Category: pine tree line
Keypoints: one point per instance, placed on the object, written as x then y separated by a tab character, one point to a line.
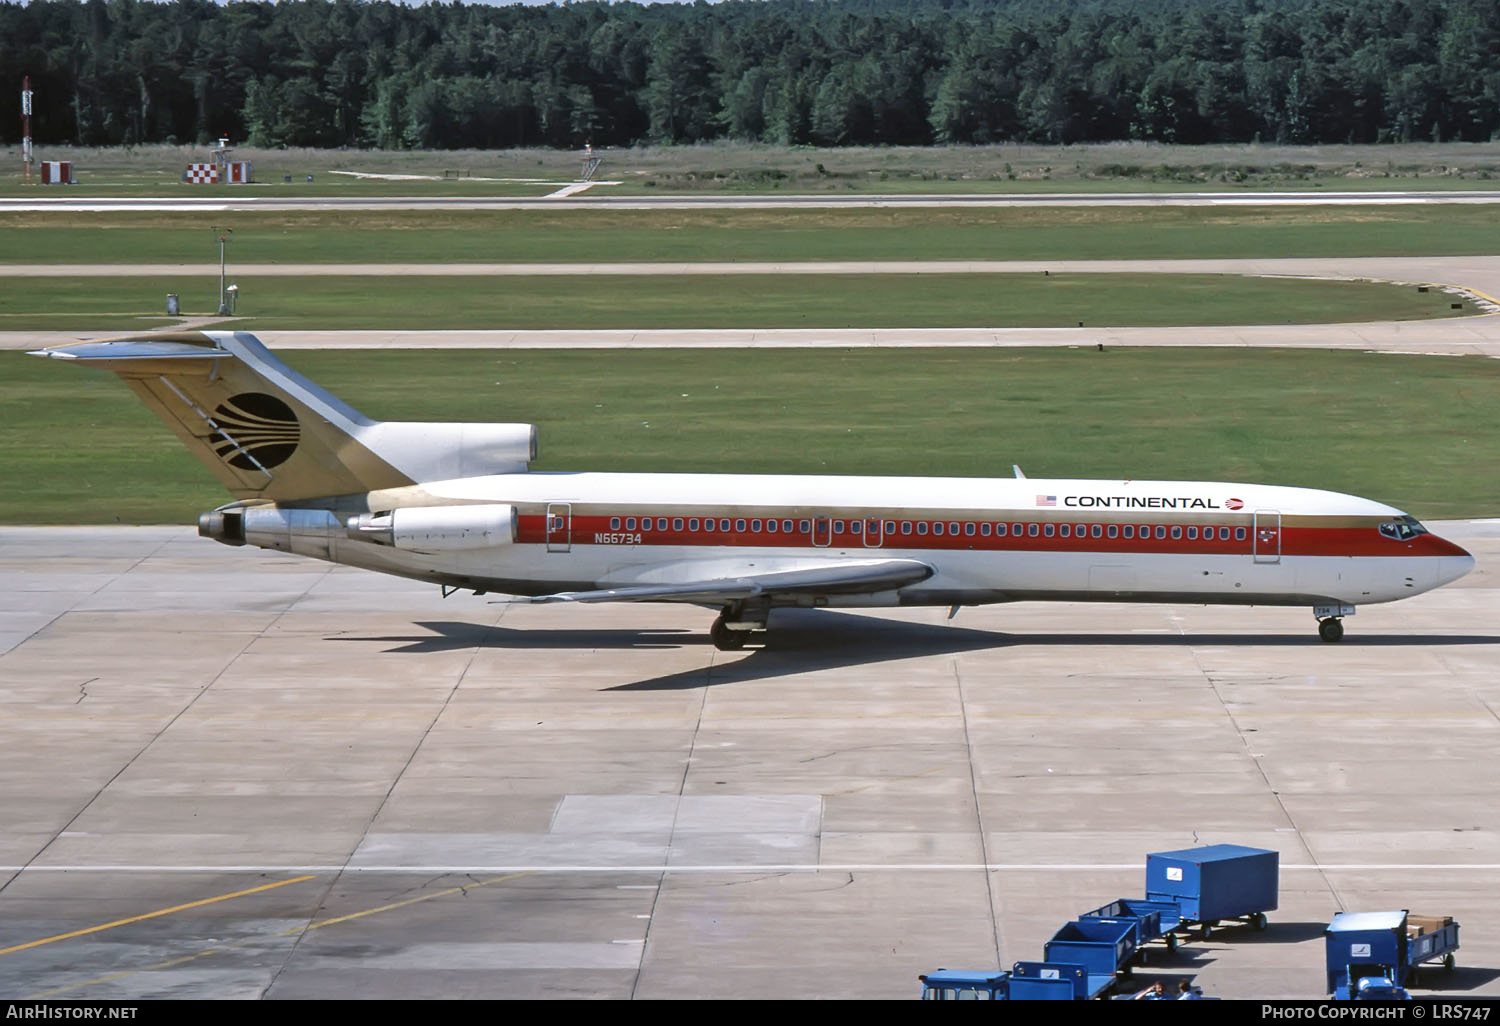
823	72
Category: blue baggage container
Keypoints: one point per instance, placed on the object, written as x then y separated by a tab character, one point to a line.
1054	981
1217	881
1102	946
1150	918
1361	945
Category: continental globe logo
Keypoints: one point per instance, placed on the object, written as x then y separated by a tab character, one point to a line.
255	431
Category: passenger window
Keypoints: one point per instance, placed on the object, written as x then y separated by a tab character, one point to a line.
614	523
1048	530
1130	530
984	529
1113	530
1098	531
1192	534
804	526
906	527
630	523
890	527
786	525
771	526
646	524
724	524
1223	534
953	528
755	527
921	527
1239	534
676	523
1066	530
969	529
1161	532
838	527
937	528
1031	530
999	530
693	524
1176	532
1016	530
856	526
739	525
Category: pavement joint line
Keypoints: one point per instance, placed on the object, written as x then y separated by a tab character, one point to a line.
687	768
156	735
299	932
153	915
984	844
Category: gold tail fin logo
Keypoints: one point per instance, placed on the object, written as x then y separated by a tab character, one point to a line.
268	433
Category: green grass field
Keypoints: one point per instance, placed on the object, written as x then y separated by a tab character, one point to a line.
1417	432
431	236
713	301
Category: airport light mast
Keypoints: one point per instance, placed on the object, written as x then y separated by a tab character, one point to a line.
26	130
224	307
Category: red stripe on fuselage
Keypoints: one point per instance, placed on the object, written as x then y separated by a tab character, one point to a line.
1298	540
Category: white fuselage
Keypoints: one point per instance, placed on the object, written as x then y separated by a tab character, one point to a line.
986	540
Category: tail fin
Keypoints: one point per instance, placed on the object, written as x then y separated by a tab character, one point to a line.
269	433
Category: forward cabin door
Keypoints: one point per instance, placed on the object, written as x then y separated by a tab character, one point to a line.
1265	538
822	531
559	527
874	535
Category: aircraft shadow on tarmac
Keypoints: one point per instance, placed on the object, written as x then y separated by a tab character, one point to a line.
803	640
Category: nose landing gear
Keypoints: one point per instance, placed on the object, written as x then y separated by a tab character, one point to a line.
1331	621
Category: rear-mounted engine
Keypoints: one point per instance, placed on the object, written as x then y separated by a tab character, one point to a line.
436	528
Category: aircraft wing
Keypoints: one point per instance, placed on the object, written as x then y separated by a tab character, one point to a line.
833	577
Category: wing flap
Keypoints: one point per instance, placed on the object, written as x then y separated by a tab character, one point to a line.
832	578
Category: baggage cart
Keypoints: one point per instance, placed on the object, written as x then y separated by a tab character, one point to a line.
1430	939
1056	981
1213	883
1151	919
1104	947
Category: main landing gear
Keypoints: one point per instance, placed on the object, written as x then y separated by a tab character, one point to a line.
1331	621
731	629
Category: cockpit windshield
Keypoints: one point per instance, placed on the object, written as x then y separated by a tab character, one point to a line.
1402	528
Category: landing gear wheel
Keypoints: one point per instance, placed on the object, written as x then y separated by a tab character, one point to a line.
1449	962
1171	942
726	640
1258	920
1331	629
1208	930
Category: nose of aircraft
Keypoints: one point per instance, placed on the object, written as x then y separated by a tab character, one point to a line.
1452	563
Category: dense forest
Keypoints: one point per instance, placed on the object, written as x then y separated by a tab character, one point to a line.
825	72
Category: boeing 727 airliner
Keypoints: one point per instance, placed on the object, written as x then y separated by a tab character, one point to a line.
457	505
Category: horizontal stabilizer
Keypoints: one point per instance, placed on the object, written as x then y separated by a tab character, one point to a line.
134	349
840	578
